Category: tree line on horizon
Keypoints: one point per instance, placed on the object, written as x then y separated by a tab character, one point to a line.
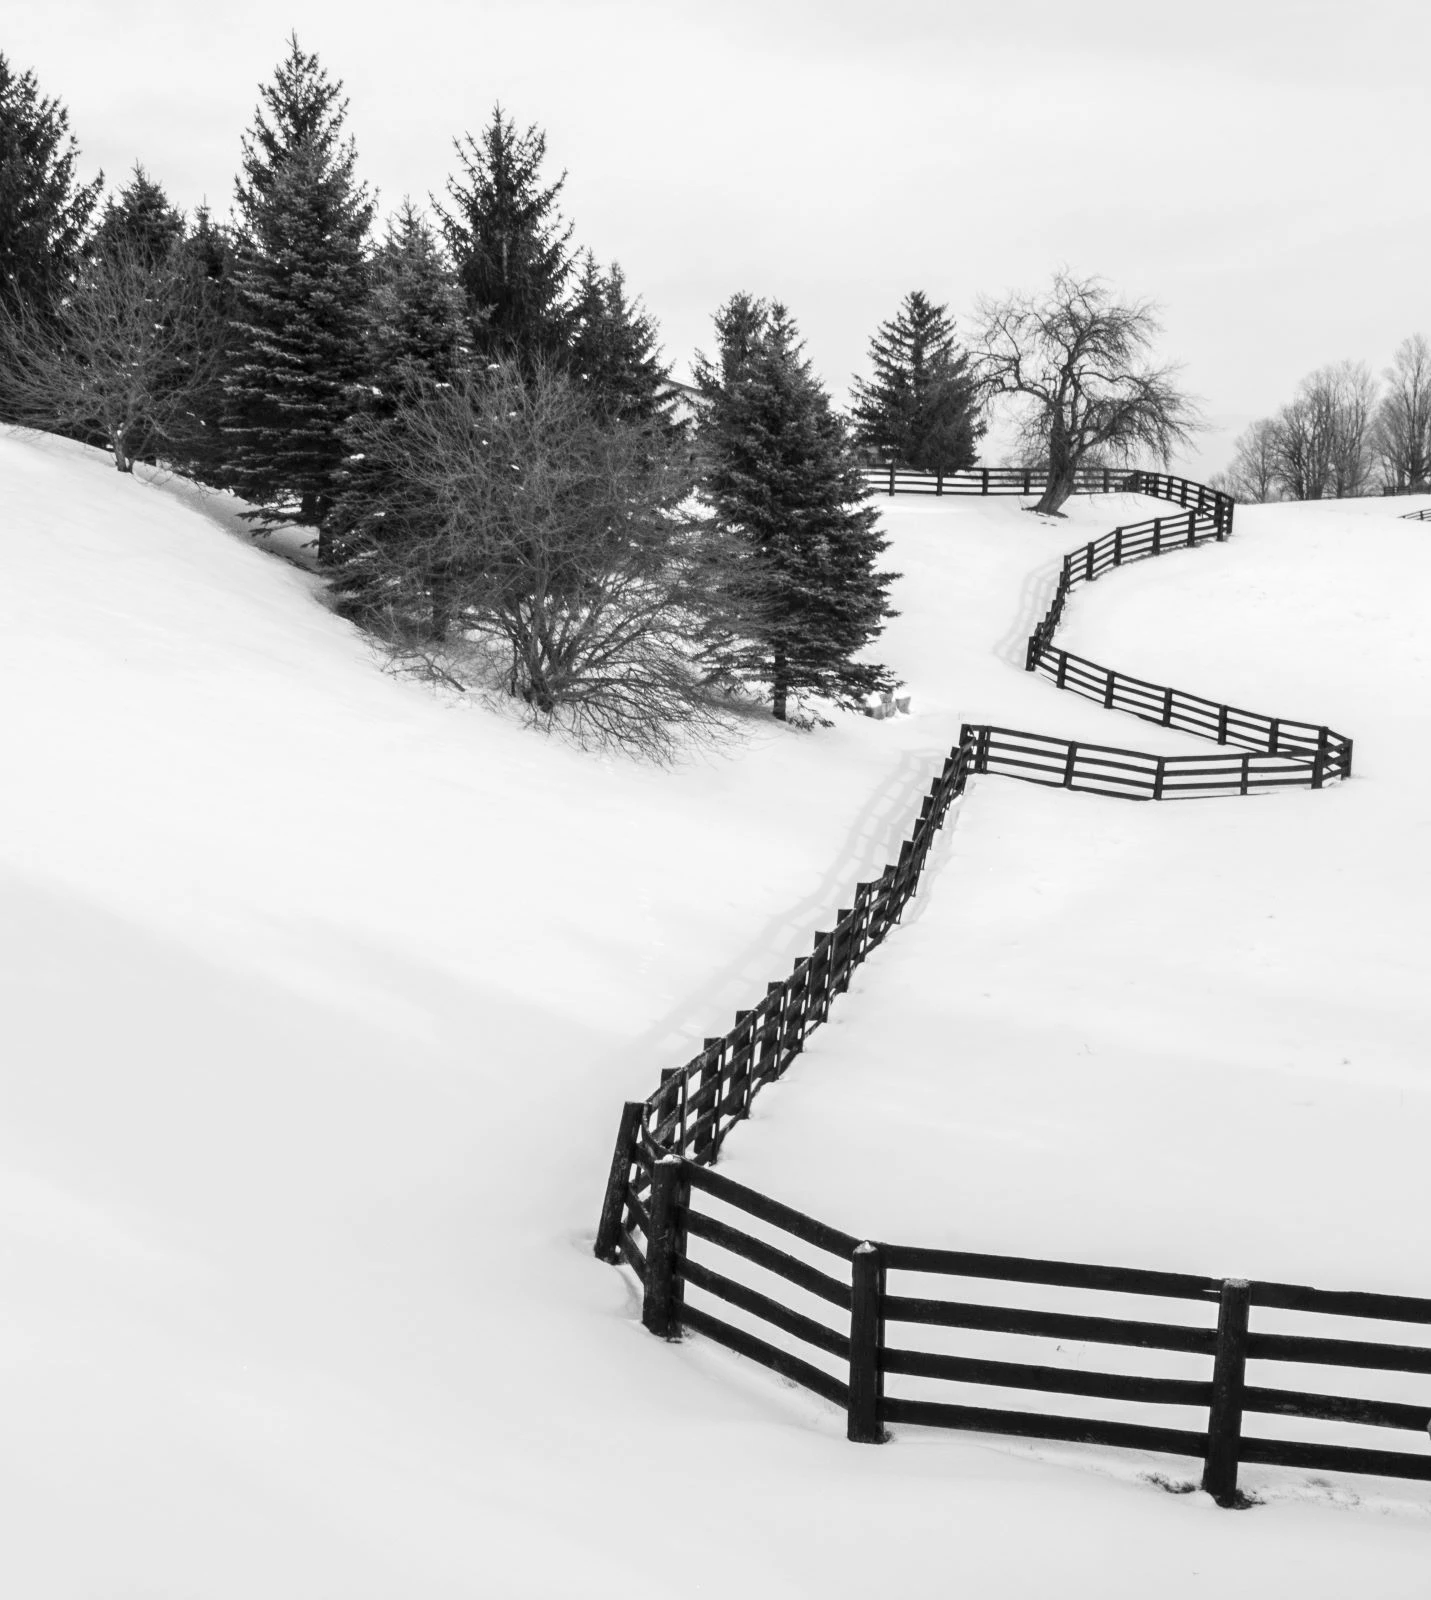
1342	434
506	486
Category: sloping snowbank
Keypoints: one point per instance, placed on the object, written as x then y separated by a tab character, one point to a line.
320	998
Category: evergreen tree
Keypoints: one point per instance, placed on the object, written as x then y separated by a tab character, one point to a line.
509	244
417	331
805	596
207	252
300	285
141	218
920	408
614	352
416	341
44	213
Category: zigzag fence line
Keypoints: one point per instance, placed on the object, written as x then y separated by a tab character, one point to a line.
827	1300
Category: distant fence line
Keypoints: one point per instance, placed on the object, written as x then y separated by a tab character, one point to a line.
656	1213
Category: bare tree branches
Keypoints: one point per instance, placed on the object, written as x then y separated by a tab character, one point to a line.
126	357
1252	476
1403	420
502	527
1075	357
1321	442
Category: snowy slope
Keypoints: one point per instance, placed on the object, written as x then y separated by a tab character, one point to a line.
320	998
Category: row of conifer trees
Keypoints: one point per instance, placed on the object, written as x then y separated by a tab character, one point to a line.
474	416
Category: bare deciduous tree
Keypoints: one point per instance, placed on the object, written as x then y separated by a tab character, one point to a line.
127	357
506	533
1403	420
1304	446
1076	358
1353	407
1252	474
1323	438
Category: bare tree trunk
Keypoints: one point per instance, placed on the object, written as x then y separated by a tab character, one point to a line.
123	461
1058	488
780	687
1062	474
313	513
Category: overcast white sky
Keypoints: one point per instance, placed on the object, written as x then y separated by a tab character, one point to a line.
1259	167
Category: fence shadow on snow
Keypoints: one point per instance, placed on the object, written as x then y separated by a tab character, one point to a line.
899	1334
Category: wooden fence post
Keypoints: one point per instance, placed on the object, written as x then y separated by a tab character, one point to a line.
1157	536
1159	773
984	480
712	1067
1224	1424
661	1307
1319	761
741	1069
864	1423
1069	765
939	483
891	478
771	1035
608	1230
1346	758
1117	547
820	970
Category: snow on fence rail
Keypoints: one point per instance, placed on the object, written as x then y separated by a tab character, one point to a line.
822	1303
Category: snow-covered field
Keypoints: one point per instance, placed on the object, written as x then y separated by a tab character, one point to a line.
321	995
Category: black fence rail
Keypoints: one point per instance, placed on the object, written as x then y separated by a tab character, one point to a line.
816	1305
1138	775
1306	755
902	1335
698	1104
1026	481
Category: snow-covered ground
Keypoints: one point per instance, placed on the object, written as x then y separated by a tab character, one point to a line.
321	994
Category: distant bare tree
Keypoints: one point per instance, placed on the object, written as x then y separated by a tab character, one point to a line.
1075	357
1353	407
499	531
1251	476
1403	419
1323	444
1303	444
126	357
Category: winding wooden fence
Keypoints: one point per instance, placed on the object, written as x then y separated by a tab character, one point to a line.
817	1305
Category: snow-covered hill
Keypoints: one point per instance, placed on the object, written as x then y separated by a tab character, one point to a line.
321	994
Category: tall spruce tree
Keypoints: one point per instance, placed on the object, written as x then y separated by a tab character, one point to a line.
141	218
805	596
509	244
920	409
417	340
300	284
416	323
615	354
44	212
207	251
